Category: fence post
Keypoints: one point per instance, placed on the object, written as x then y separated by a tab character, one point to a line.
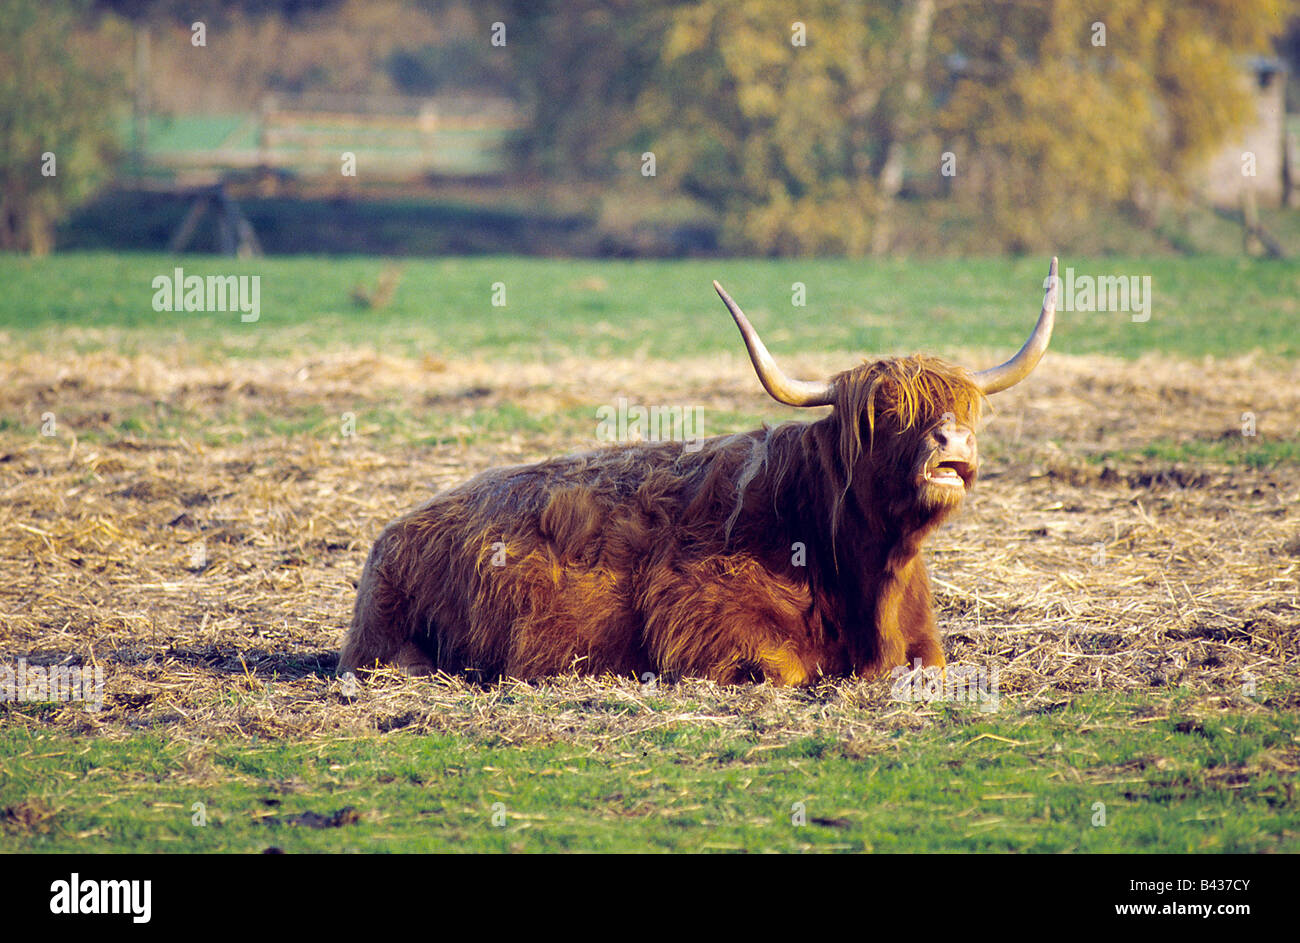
265	109
428	131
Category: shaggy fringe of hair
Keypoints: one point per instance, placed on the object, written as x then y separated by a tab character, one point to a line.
903	393
908	390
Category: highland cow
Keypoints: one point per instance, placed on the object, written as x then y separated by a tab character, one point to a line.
785	554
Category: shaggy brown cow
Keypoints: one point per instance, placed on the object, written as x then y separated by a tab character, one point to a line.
782	554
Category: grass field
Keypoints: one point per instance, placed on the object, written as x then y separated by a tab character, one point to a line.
1207	306
183	505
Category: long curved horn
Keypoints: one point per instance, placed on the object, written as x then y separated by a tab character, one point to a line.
997	379
782	388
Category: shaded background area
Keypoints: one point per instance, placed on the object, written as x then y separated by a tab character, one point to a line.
665	128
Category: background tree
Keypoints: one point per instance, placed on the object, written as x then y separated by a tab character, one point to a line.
578	67
809	148
51	103
775	122
1056	111
780	124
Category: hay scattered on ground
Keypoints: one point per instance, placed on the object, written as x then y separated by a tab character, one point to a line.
212	582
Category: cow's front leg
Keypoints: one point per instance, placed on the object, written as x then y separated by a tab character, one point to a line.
928	650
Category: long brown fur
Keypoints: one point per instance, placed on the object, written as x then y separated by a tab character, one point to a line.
783	554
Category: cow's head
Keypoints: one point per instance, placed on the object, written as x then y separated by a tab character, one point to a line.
906	426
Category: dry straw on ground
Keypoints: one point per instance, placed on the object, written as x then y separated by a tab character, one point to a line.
212	582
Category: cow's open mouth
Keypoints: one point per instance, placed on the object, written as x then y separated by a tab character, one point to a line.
952	473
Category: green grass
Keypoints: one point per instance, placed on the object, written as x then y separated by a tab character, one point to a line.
167	133
1172	778
1252	452
1205	306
